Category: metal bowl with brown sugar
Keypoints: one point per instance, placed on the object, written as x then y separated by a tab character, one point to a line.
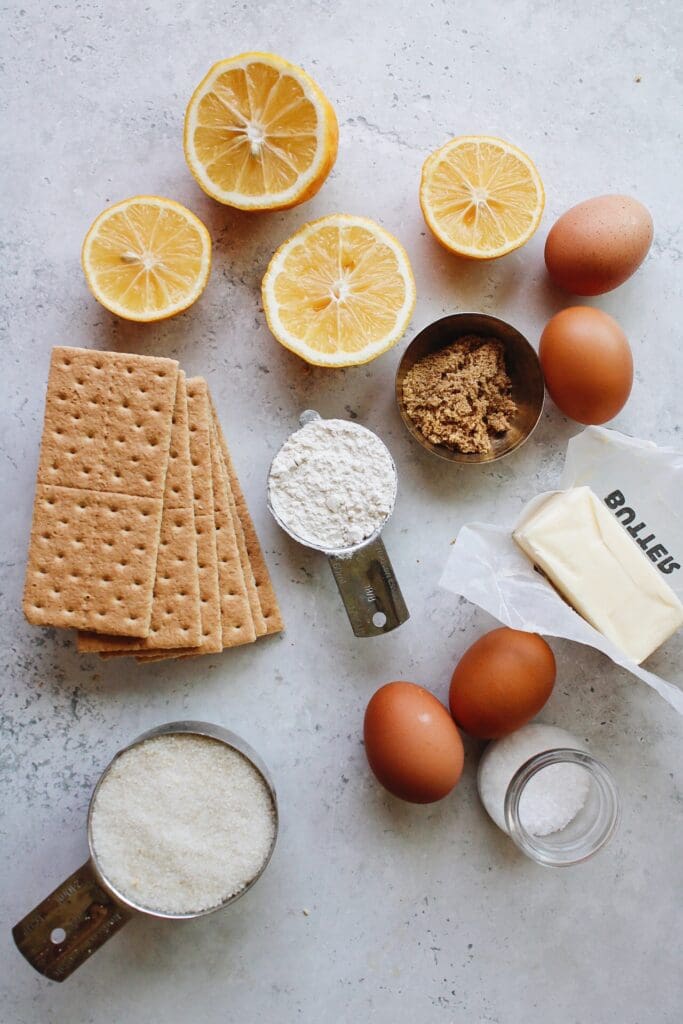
521	363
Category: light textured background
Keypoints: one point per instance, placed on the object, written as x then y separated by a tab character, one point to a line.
414	914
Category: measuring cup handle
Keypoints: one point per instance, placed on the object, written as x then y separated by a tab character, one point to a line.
368	588
71	923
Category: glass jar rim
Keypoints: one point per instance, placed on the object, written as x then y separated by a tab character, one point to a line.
537	847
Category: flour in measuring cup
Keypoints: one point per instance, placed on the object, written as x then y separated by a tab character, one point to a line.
333	484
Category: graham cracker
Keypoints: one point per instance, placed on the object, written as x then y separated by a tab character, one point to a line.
91	560
248	572
108	421
101	477
236	617
176	619
264	586
202	482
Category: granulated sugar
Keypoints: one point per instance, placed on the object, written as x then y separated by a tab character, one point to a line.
552	798
181	823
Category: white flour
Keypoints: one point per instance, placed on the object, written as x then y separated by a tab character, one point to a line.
182	822
332	483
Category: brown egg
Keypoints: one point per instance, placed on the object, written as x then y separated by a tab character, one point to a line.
587	364
597	245
501	682
412	744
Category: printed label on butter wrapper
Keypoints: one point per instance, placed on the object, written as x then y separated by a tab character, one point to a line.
642	486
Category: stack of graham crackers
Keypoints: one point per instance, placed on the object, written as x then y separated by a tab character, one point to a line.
141	537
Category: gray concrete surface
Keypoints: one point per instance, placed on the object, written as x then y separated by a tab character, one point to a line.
372	910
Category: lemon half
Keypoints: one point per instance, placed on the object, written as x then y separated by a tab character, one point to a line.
260	134
481	197
146	258
339	292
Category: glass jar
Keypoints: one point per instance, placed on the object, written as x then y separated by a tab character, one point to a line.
556	801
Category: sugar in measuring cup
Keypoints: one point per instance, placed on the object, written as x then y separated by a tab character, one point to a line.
332	487
197	861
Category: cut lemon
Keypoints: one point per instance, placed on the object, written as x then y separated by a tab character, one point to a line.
339	292
481	197
146	258
260	134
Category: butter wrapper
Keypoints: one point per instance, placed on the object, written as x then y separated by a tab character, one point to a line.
642	486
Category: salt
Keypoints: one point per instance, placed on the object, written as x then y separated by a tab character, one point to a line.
552	798
181	822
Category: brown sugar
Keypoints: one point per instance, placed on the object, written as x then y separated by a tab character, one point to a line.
460	396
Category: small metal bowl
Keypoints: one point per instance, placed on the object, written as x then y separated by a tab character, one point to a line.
522	366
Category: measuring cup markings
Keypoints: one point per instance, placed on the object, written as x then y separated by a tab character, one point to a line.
68	890
81	913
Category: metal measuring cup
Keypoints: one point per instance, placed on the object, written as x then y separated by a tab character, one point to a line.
363	573
522	365
70	924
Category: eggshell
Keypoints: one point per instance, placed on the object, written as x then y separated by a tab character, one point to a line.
412	743
587	364
501	682
597	245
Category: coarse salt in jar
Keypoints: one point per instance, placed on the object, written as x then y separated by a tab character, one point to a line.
556	802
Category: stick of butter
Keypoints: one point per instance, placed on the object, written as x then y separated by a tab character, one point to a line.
590	559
